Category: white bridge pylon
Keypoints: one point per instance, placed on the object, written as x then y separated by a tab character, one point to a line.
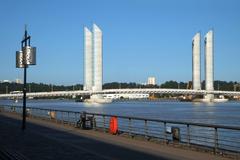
121	91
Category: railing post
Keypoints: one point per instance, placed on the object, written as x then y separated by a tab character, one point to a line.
215	140
2	109
62	116
45	112
39	113
55	116
75	117
34	113
129	127
104	124
50	111
68	119
188	134
94	122
165	132
145	128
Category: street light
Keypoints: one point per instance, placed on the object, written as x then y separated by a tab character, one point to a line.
25	57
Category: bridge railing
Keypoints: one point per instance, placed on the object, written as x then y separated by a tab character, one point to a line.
216	138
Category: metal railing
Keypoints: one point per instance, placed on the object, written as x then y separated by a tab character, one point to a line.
216	138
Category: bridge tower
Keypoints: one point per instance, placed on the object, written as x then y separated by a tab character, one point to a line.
93	74
97	54
88	60
209	69
196	62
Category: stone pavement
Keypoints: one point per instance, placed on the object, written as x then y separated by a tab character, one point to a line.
47	140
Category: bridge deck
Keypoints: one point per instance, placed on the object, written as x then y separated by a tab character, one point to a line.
47	140
122	91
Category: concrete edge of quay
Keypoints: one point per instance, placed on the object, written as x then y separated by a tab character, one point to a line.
155	148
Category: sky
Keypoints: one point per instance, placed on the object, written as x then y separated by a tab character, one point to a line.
141	38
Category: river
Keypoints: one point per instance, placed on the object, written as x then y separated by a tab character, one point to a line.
217	113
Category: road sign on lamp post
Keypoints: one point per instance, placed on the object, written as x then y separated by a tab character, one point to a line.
25	57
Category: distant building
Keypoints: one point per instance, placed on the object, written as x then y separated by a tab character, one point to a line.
151	81
6	81
19	81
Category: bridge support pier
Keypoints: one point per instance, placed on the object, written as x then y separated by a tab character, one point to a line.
209	97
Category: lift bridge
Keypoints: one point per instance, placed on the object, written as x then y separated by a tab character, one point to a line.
122	91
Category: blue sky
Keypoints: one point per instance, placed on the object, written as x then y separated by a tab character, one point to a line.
141	38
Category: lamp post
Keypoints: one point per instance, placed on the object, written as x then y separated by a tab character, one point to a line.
25	57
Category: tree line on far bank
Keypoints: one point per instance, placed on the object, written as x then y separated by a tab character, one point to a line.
41	87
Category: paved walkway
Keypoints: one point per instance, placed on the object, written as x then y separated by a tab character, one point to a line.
44	140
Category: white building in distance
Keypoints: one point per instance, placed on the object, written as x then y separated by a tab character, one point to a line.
151	81
6	81
18	81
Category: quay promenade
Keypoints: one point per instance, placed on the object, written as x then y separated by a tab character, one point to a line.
47	140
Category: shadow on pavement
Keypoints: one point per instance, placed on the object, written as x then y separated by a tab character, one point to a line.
42	143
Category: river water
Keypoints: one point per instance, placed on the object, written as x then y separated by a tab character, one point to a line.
218	113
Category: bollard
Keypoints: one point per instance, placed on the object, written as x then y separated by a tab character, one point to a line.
113	125
176	134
